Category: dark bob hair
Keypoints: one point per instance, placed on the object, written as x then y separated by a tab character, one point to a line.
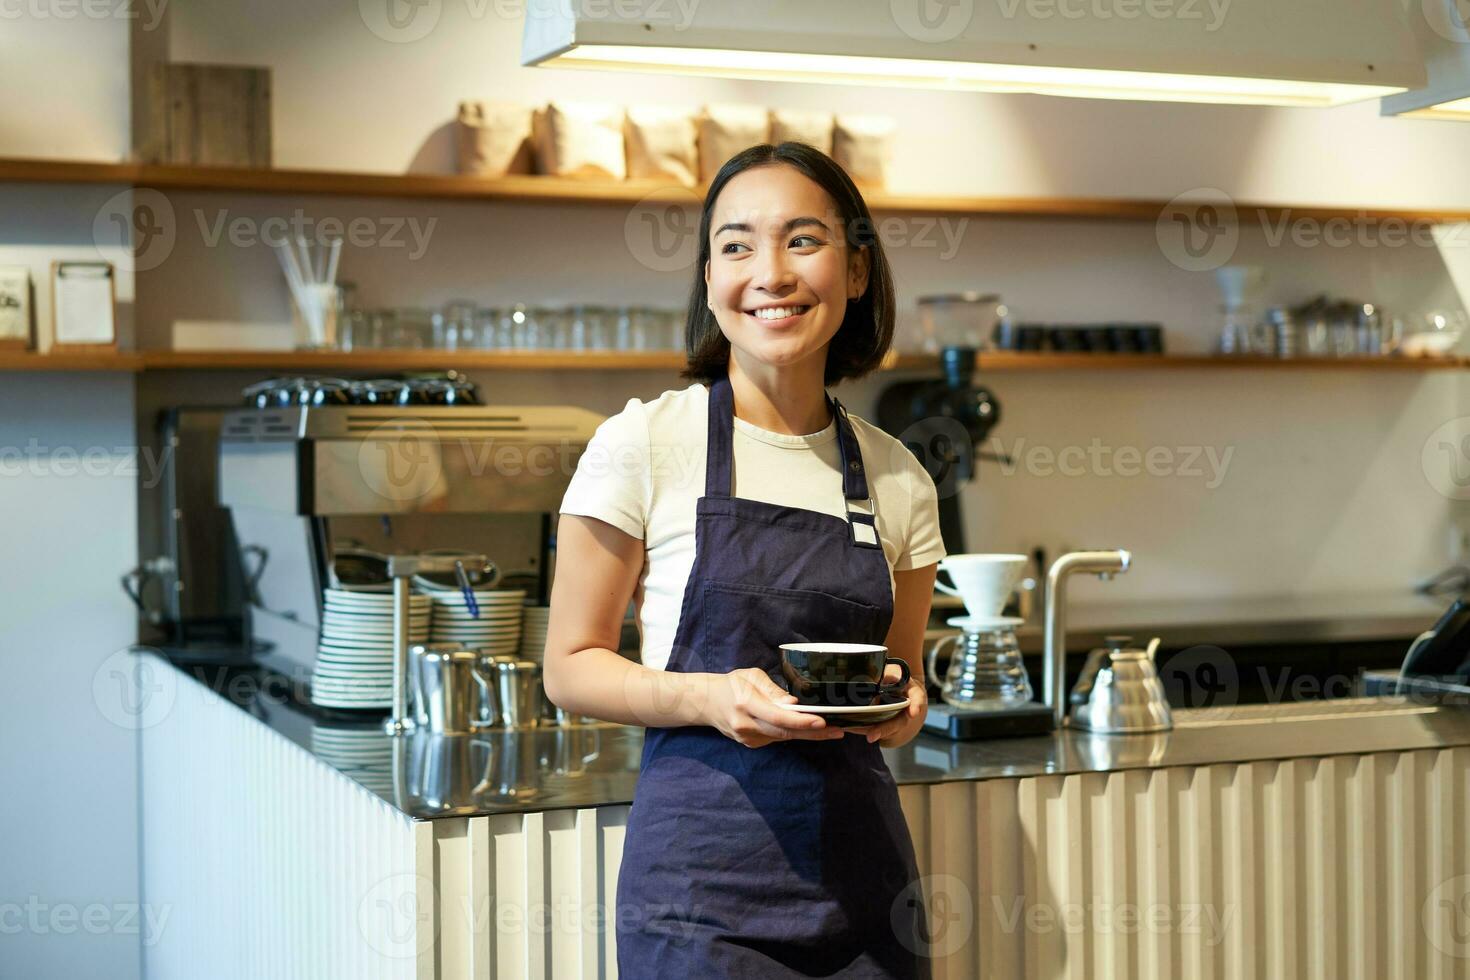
867	328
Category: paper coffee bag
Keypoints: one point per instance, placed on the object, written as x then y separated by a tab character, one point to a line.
810	126
725	130
580	139
662	143
494	138
863	145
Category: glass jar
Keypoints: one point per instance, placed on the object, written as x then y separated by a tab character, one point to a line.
1313	338
985	668
599	328
357	331
621	319
412	329
642	329
1234	332
580	327
1370	329
455	329
959	320
555	328
532	329
487	329
1342	332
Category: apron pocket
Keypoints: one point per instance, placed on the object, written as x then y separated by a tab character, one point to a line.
745	625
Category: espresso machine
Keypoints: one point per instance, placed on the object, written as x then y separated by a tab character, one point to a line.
307	485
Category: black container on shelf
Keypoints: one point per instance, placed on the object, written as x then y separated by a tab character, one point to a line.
1030	336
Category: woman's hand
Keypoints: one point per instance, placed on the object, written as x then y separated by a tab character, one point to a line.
913	592
901	730
747	706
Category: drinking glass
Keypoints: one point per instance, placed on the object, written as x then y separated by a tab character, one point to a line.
487	328
315	325
599	328
642	328
455	325
513	327
673	329
532	329
1313	335
556	328
580	327
621	320
357	331
1369	329
413	328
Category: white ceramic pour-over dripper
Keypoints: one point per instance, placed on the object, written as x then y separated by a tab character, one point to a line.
984	582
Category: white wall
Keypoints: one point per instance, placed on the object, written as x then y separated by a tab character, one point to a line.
68	811
65	76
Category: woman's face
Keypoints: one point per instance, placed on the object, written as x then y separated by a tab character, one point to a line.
780	273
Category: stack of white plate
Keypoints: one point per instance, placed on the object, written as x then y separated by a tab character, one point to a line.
364	754
533	631
496	630
354	660
353	749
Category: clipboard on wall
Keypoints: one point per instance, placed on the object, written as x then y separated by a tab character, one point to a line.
83	308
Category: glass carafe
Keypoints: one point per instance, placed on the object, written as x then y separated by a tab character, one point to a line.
985	668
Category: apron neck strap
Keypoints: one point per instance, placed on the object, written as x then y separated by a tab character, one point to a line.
719	455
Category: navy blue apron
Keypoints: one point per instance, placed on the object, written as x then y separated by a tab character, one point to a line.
792	859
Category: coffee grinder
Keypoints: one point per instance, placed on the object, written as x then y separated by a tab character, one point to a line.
943	422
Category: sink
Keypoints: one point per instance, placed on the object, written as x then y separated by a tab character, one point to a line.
1334	708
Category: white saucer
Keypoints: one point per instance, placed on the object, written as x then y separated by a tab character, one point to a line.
890	706
849	709
985	622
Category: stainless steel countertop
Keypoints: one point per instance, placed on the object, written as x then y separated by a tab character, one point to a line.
1334	618
429	777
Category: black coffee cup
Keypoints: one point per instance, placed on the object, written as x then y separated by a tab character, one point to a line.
839	674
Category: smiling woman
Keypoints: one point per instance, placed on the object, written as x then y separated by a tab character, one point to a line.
784	231
765	837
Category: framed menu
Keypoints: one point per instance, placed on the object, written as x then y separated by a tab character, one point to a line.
15	307
82	304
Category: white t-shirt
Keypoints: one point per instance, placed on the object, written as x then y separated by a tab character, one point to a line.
644	471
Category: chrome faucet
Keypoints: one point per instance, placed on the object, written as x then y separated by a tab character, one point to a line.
1104	564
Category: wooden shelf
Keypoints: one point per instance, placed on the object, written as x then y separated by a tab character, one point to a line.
1046	361
556	190
24	361
412	360
388	361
